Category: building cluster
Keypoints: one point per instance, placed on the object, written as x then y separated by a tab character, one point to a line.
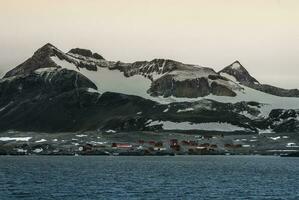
142	147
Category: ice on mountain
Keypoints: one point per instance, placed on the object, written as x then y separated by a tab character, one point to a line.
211	126
166	110
38	150
185	110
22	139
111	80
228	76
41	140
91	90
236	65
115	81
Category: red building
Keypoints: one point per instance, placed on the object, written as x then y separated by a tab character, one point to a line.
119	145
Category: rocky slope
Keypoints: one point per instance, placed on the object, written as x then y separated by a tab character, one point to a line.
55	91
238	73
165	77
63	100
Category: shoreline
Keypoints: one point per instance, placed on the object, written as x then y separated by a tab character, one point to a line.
175	155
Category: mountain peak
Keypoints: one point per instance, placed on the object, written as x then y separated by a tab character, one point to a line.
46	49
236	65
239	72
40	59
49	45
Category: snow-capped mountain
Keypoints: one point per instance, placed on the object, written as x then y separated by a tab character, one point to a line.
77	86
159	77
238	73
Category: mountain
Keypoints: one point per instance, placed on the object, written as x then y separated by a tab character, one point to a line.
79	90
238	73
160	77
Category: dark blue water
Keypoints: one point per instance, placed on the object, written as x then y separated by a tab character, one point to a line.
179	177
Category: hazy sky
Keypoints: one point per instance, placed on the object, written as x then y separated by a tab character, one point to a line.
262	35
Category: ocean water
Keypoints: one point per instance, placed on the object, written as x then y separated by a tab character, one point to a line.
178	177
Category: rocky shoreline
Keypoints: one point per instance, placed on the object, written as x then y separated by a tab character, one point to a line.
148	143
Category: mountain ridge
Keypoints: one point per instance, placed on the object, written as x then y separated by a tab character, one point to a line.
153	70
78	91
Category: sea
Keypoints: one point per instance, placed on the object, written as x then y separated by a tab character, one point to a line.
165	177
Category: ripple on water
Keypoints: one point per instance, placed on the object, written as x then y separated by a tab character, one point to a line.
179	177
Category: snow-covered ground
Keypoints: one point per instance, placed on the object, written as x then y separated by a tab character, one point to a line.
228	76
112	80
211	126
181	75
185	110
270	101
41	140
115	81
23	139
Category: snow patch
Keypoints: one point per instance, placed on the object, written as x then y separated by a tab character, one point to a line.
180	75
39	141
185	110
91	90
262	131
228	76
96	142
291	144
46	69
38	150
110	131
211	126
246	145
23	139
236	66
275	138
111	80
4	107
22	150
166	110
81	135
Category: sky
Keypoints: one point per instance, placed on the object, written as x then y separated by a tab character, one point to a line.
262	34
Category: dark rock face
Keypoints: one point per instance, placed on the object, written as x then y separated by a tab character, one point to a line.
146	69
242	76
88	66
42	101
190	88
277	114
86	53
282	120
239	72
213	112
97	56
221	90
290	125
58	81
275	90
40	59
167	86
82	52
